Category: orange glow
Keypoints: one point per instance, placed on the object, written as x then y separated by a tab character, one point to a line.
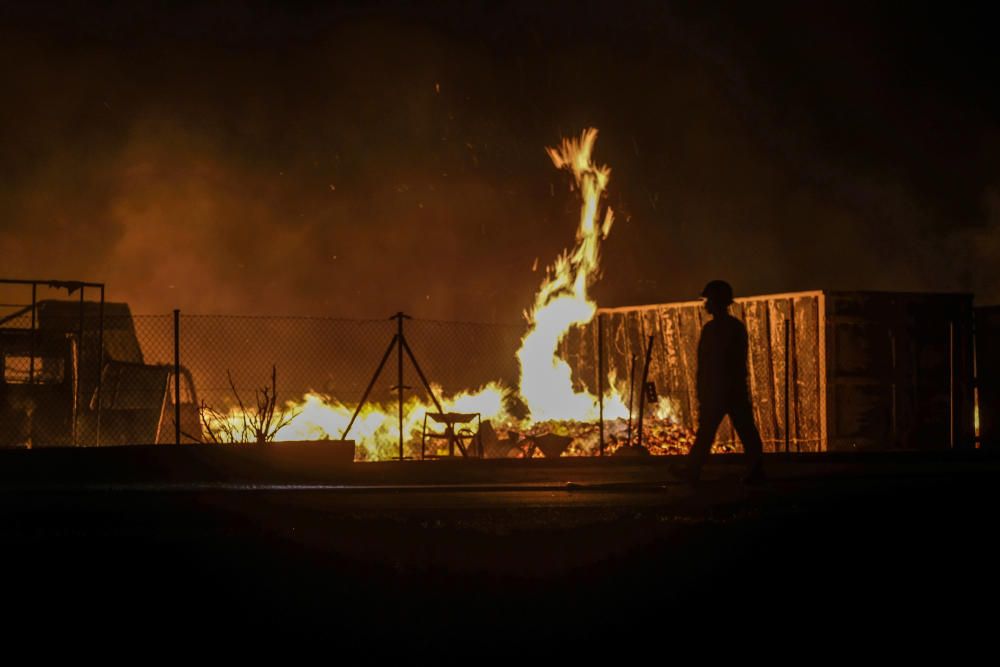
546	383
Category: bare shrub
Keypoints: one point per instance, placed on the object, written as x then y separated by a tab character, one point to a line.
257	425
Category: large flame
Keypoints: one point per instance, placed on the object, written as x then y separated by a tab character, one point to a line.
546	383
562	301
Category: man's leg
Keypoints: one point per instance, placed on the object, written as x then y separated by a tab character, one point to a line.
741	413
708	424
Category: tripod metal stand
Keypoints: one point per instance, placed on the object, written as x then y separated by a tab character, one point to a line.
399	343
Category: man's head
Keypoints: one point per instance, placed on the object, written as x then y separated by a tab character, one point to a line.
718	295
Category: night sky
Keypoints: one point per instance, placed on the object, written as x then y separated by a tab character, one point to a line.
356	159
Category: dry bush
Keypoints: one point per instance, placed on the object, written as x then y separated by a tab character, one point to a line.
257	425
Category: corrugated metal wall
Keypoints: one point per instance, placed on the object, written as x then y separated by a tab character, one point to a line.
676	328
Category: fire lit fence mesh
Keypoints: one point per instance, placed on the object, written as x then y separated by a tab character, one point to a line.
226	360
57	392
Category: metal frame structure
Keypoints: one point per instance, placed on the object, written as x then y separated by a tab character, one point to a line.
399	343
450	435
70	286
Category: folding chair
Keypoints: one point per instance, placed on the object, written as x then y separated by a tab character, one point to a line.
463	437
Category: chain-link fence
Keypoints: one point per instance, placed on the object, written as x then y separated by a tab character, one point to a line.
871	368
318	370
90	374
84	374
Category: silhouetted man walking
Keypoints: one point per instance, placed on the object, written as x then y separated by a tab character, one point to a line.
722	386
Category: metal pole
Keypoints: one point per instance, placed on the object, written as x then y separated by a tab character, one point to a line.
600	381
177	376
100	364
788	426
951	384
31	363
399	377
368	390
79	376
631	391
977	440
642	387
892	346
420	373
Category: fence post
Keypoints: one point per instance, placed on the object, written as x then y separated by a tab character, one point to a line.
788	329
642	386
892	349
631	391
951	384
34	307
100	365
177	376
600	379
79	375
399	376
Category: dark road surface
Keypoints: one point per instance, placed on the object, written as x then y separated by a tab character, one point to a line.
508	548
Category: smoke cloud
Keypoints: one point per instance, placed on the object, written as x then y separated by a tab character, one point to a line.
355	162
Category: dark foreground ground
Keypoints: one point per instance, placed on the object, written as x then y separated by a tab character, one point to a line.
489	553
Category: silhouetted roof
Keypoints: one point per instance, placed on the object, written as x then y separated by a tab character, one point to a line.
120	342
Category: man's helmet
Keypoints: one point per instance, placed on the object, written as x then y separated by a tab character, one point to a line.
719	291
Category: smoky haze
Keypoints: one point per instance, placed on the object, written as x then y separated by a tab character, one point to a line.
355	161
